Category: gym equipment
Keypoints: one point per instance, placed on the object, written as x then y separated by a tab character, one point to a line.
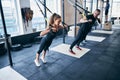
2	48
16	47
108	26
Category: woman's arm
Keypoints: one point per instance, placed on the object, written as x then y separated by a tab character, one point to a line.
44	32
61	26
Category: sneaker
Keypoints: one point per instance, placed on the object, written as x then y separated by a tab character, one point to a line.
81	44
43	60
71	51
84	41
37	63
78	48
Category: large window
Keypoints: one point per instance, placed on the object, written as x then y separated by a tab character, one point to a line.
10	15
116	8
88	5
38	21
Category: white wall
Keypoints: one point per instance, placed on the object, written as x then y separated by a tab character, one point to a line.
24	3
70	13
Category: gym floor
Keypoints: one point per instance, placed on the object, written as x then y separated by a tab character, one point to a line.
102	62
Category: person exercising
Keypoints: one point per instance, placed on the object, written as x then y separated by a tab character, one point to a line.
51	31
86	26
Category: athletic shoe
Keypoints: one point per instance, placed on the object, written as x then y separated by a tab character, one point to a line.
78	48
84	41
37	63
81	44
43	60
71	51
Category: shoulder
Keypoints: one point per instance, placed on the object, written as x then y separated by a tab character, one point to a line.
89	16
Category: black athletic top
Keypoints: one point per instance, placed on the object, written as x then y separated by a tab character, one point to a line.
50	35
92	18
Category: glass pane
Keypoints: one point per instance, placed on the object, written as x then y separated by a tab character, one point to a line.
10	15
38	20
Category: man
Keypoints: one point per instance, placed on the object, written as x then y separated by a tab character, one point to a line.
86	25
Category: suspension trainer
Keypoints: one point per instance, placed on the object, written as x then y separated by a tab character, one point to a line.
78	5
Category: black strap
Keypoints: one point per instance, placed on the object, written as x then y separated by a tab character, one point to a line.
77	4
50	11
41	10
74	7
46	7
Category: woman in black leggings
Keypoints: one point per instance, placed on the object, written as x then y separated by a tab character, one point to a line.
54	26
86	25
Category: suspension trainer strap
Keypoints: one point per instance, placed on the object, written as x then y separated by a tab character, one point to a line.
45	7
74	7
41	10
50	11
78	5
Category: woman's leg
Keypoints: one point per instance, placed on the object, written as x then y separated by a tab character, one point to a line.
37	57
37	63
43	56
44	51
42	46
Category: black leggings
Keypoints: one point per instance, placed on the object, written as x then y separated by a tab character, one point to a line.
82	33
44	44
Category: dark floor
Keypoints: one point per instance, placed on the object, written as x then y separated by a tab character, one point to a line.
102	62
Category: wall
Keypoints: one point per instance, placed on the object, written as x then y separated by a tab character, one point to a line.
70	13
24	39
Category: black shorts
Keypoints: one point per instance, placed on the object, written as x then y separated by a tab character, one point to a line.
106	12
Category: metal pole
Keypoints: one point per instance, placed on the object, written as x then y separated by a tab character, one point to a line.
63	20
111	9
97	5
84	3
6	36
45	12
91	6
75	18
101	14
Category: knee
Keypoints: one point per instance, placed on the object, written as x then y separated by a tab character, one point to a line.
39	51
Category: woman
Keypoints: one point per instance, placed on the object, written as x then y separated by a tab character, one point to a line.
51	30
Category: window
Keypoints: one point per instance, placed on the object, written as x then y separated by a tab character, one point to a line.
116	9
88	4
10	15
38	21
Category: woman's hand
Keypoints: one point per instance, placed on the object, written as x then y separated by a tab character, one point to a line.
44	32
54	29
